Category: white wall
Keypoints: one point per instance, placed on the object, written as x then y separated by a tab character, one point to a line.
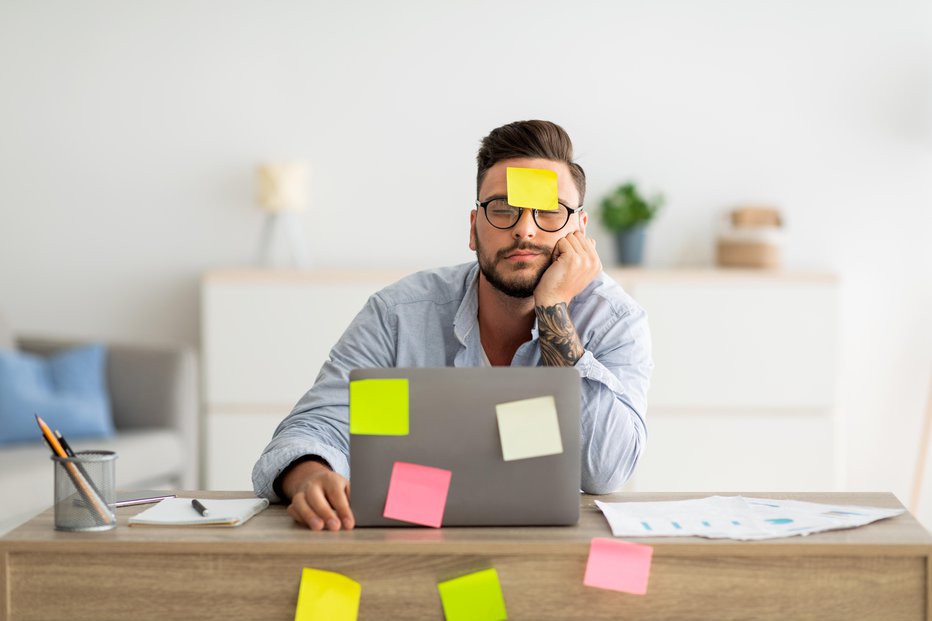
129	132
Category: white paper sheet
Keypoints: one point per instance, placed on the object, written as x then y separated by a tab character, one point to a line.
734	517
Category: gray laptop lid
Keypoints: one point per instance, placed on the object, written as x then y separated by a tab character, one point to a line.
453	425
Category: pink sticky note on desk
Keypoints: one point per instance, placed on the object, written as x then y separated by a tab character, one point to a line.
618	565
417	494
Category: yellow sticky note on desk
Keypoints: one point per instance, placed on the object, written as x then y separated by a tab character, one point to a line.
473	597
532	188
327	595
379	407
529	428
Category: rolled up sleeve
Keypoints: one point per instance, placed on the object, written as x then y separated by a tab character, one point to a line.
616	369
319	423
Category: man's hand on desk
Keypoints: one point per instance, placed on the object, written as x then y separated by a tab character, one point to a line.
319	497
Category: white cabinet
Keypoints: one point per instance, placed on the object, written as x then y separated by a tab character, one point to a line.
737	451
265	335
743	391
741	399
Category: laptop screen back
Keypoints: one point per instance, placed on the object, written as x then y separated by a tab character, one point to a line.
453	425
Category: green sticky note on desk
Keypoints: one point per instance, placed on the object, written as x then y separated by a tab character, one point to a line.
532	188
473	597
327	595
379	407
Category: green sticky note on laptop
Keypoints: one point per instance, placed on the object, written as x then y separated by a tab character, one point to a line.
532	188
379	407
473	597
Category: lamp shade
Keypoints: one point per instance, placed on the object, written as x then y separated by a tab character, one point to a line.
282	186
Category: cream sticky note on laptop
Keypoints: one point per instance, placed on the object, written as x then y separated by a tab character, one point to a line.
532	188
379	407
473	597
327	595
529	428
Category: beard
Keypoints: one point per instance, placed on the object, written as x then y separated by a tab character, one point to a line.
519	283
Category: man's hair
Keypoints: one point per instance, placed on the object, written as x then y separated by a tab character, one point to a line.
541	139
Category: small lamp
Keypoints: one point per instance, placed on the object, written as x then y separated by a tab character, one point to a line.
282	194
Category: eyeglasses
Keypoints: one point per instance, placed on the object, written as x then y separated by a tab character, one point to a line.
503	216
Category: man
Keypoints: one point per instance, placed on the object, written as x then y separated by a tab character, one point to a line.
536	296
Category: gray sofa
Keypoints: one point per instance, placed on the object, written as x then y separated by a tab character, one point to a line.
154	397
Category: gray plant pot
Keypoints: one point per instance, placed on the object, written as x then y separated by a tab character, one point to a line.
629	245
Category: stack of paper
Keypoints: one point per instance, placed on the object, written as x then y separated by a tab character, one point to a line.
734	517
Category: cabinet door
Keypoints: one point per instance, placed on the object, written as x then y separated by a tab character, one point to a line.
234	441
741	343
743	390
265	342
738	452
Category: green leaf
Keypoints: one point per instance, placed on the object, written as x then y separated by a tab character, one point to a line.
626	208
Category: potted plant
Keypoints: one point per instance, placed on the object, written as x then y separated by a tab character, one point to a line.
626	213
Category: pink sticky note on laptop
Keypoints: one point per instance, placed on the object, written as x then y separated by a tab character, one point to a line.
417	494
618	565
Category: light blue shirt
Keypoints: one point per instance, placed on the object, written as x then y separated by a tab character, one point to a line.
430	319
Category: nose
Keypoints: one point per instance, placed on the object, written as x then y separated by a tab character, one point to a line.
525	228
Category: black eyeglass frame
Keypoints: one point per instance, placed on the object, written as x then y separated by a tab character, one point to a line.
485	209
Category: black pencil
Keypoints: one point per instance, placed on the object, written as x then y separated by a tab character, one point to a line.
70	452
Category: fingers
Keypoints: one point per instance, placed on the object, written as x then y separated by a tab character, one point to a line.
321	506
589	249
575	265
584	249
337	491
323	503
568	244
576	241
302	513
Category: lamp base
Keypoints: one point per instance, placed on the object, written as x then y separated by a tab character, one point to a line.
287	225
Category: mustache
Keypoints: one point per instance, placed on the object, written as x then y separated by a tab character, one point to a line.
501	254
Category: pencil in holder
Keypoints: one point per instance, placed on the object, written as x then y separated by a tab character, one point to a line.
85	491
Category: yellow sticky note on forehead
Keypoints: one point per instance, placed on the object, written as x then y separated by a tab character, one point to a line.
532	188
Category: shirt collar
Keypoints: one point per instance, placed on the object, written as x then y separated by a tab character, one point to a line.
467	316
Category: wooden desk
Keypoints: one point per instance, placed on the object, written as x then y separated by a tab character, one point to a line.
879	571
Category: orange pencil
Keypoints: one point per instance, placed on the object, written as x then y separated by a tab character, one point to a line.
50	437
104	515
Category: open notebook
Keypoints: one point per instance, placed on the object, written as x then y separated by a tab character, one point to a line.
179	512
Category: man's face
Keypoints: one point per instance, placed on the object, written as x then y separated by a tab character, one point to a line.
513	260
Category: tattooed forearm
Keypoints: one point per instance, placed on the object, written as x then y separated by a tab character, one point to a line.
559	343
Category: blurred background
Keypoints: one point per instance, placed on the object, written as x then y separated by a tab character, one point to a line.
130	134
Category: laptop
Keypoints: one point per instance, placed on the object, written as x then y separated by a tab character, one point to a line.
453	426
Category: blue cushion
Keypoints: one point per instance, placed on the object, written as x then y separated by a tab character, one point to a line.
67	389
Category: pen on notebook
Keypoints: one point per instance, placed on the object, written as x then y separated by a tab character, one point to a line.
200	508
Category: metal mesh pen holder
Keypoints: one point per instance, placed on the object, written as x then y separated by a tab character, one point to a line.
84	491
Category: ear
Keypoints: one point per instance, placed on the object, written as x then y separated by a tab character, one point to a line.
472	230
583	221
